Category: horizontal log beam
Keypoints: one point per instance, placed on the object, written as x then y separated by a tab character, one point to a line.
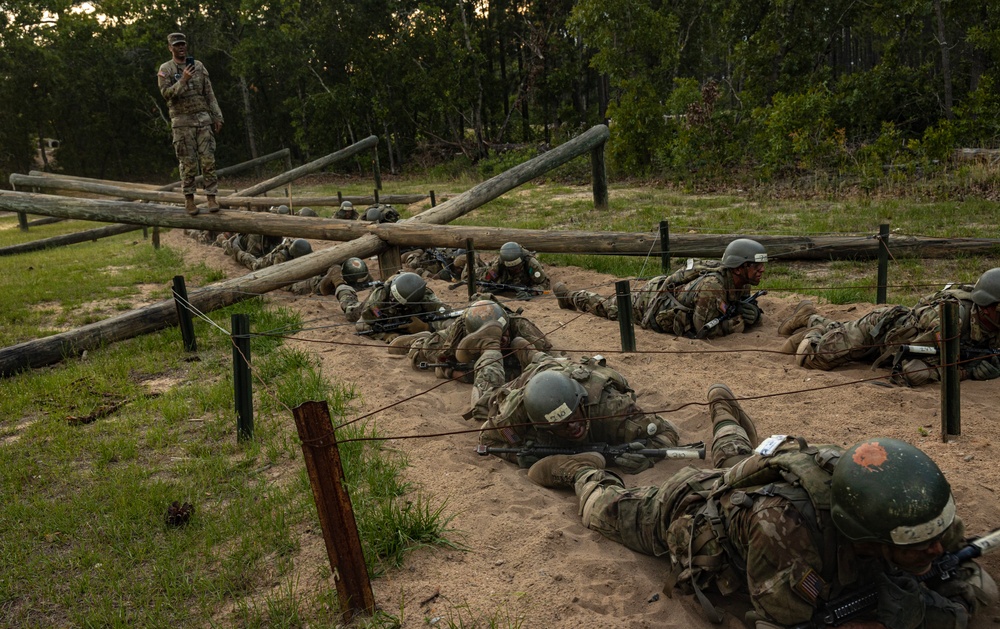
68	239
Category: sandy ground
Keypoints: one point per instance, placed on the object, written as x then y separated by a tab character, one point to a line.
529	562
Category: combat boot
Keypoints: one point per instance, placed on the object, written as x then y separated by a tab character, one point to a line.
562	296
485	338
799	319
560	470
524	350
724	407
213	205
792	342
400	346
333	278
189	205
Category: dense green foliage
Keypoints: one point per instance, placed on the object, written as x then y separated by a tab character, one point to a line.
694	89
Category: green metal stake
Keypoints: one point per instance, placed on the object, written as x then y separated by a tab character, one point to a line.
951	393
883	262
184	319
242	385
665	246
623	294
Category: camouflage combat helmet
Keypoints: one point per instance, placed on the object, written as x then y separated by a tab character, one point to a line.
354	270
408	288
373	214
551	397
282	209
299	248
987	290
511	253
741	251
307	211
482	312
888	491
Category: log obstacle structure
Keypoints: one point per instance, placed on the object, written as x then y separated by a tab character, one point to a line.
68	239
418	234
55	348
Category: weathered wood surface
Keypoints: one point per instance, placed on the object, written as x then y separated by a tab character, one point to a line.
283	154
52	349
48	220
415	234
157	195
314	166
68	239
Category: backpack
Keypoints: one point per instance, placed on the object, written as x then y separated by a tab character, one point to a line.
676	315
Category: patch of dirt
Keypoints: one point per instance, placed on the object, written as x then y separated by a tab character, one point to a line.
529	559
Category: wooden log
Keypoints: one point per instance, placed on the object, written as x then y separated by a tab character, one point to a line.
80	184
413	234
68	239
48	220
283	154
54	348
311	167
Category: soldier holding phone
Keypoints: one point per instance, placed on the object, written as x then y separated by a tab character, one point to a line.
195	118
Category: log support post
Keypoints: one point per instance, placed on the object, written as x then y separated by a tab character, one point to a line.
242	384
883	263
623	295
336	515
156	237
470	266
951	398
184	319
22	221
433	200
600	176
389	262
665	247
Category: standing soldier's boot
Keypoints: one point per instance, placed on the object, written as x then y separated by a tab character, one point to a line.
213	205
189	205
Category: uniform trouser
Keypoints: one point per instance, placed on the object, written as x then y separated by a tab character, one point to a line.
835	343
654	520
194	146
586	301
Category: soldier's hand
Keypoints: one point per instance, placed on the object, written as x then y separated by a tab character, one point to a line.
523	294
526	460
750	313
900	603
417	325
985	369
632	463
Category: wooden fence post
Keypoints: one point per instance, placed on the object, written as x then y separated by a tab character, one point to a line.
336	515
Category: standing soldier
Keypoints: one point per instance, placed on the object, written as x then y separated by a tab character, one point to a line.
684	302
195	118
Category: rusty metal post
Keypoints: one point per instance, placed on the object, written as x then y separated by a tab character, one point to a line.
336	515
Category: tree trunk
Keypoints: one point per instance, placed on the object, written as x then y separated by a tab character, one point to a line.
945	60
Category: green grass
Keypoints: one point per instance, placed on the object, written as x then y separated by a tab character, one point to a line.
82	530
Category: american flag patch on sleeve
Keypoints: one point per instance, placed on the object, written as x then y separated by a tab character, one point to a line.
509	435
810	586
162	73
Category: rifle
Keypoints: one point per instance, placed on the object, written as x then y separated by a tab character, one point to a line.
398	323
692	451
729	314
964	354
443	259
454	365
944	568
498	286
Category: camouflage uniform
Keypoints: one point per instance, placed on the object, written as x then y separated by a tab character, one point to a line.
439	347
683	312
379	306
876	336
747	528
277	255
613	416
311	285
193	111
529	273
255	245
434	263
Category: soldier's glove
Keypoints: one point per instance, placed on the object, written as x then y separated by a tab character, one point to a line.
900	601
985	369
632	463
750	313
417	325
527	459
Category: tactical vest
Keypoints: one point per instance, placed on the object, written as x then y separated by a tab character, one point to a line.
907	328
674	316
798	473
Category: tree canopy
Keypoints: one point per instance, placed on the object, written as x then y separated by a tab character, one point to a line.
689	87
